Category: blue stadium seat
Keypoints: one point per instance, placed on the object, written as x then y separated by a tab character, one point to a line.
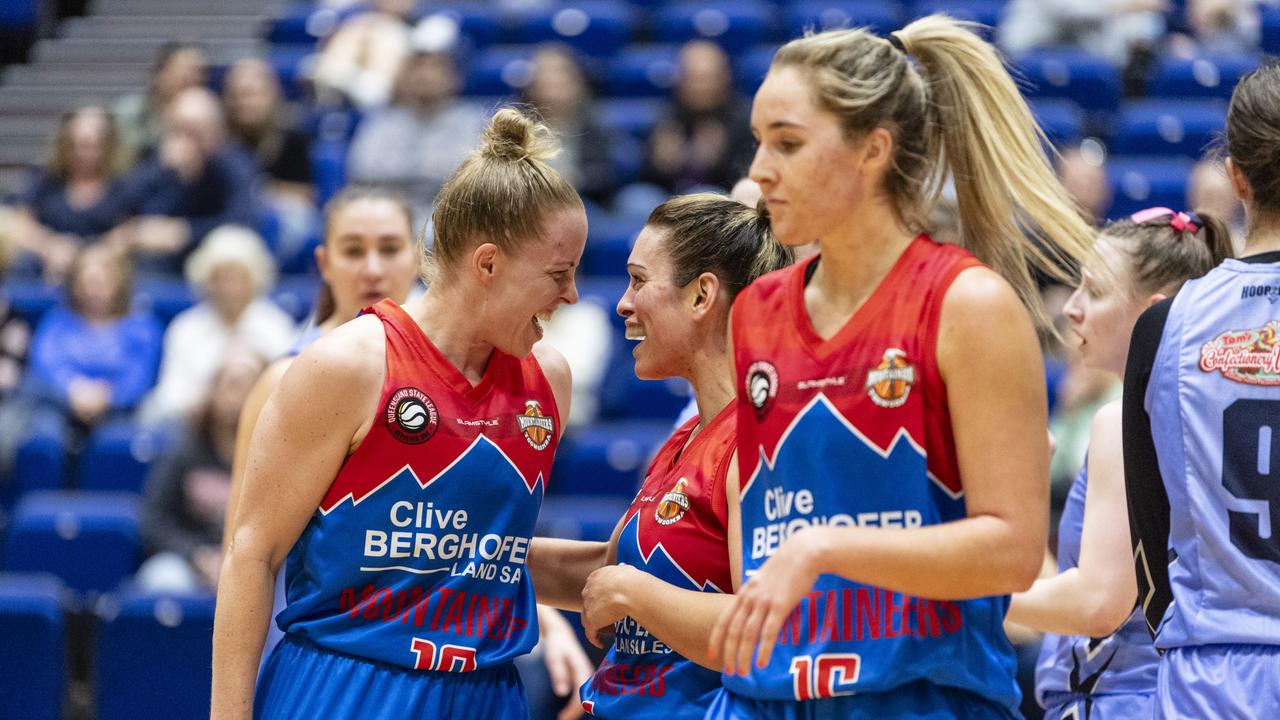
480	22
1270	28
328	168
1140	182
596	27
608	246
623	396
295	294
626	154
291	64
734	24
154	652
90	540
642	71
31	297
1167	127
633	116
19	27
163	297
579	517
499	70
751	67
34	648
881	16
604	291
1209	76
302	23
1061	120
119	454
1091	81
984	12
606	458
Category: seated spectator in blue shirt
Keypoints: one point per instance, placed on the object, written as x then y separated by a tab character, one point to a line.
195	181
77	197
91	357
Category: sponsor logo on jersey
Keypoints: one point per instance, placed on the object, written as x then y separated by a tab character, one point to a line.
890	382
1270	292
673	505
1251	357
762	385
411	416
538	428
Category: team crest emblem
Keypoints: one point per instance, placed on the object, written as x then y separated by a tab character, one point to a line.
1251	357
537	428
411	416
762	385
673	504
890	382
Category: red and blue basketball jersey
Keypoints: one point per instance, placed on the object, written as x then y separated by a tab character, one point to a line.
416	555
855	431
675	530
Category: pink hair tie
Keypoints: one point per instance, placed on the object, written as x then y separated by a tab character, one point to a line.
1180	221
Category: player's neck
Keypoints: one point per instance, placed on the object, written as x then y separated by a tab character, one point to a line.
452	333
857	257
712	381
1262	240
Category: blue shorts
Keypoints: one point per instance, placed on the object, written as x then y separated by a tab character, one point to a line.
918	700
302	680
1121	706
1223	682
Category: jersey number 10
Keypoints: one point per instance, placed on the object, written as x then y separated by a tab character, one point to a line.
824	676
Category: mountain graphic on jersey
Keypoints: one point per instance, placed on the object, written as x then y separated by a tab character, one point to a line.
844	469
687	571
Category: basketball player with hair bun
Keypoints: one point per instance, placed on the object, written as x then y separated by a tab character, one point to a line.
1097	660
400	465
891	411
660	581
1201	425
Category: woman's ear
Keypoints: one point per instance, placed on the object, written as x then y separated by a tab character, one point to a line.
705	294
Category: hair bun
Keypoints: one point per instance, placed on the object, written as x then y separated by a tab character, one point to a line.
512	135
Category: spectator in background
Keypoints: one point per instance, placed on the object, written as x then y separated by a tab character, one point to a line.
187	489
140	117
1083	172
15	342
259	121
196	181
414	145
358	64
91	359
1209	190
1224	26
705	138
232	270
77	197
558	90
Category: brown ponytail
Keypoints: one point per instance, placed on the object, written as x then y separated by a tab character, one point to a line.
1162	253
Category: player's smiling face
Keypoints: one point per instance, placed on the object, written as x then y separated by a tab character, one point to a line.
1102	311
655	310
536	279
806	168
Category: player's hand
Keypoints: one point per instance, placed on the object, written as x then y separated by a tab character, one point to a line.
604	599
567	664
764	602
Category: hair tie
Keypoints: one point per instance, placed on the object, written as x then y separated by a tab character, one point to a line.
896	42
1179	221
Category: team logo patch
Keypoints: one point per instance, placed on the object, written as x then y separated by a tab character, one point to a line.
673	504
762	385
1251	357
890	382
537	428
411	416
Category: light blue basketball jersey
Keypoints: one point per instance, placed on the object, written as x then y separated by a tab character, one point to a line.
1072	667
1214	402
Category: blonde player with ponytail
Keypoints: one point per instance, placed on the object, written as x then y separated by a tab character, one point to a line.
400	465
891	400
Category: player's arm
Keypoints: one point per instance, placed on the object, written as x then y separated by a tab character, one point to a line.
1093	598
556	369
249	413
559	569
990	360
682	619
1144	486
308	427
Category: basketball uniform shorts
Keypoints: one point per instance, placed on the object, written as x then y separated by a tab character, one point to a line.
1224	682
1120	706
302	680
917	700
